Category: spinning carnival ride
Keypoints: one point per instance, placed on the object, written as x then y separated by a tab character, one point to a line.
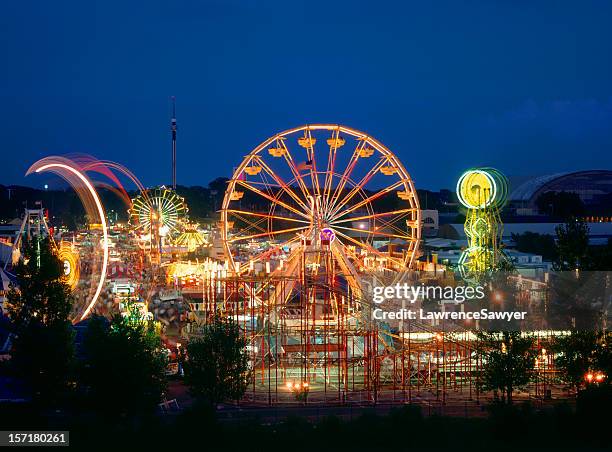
483	191
93	246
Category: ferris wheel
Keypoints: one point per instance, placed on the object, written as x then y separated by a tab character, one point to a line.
158	212
319	186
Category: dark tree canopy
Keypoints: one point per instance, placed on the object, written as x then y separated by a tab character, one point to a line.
572	245
508	359
124	364
217	364
576	355
38	308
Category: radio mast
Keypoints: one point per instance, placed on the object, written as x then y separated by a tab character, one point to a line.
173	128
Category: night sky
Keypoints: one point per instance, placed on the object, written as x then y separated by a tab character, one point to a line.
525	86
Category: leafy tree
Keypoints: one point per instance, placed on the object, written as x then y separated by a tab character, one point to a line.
217	366
576	356
577	300
38	308
572	245
508	361
124	363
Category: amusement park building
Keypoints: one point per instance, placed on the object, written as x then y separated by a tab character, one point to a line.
591	186
429	222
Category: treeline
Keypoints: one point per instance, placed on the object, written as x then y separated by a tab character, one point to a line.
65	208
568	249
563	205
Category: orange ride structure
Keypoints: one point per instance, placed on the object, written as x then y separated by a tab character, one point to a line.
309	219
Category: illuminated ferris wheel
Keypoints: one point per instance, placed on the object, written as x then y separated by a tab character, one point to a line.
158	212
320	187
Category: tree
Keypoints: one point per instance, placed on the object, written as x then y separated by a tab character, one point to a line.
508	359
217	365
577	300
572	245
38	307
124	364
576	354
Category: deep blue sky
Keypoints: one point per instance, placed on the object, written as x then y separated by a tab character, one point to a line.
524	86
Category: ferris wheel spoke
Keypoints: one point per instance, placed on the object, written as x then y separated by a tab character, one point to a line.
267	186
272	199
393	226
369	248
265	234
347	172
367	200
374	232
375	216
331	163
359	185
284	186
266	215
314	178
400	219
295	171
254	225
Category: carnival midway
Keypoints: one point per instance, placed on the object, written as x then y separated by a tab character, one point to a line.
313	219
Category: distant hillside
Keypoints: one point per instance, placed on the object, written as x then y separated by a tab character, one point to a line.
65	207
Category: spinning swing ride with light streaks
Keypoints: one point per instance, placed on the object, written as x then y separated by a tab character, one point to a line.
73	173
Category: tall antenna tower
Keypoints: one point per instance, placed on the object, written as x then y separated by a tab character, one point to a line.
173	128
